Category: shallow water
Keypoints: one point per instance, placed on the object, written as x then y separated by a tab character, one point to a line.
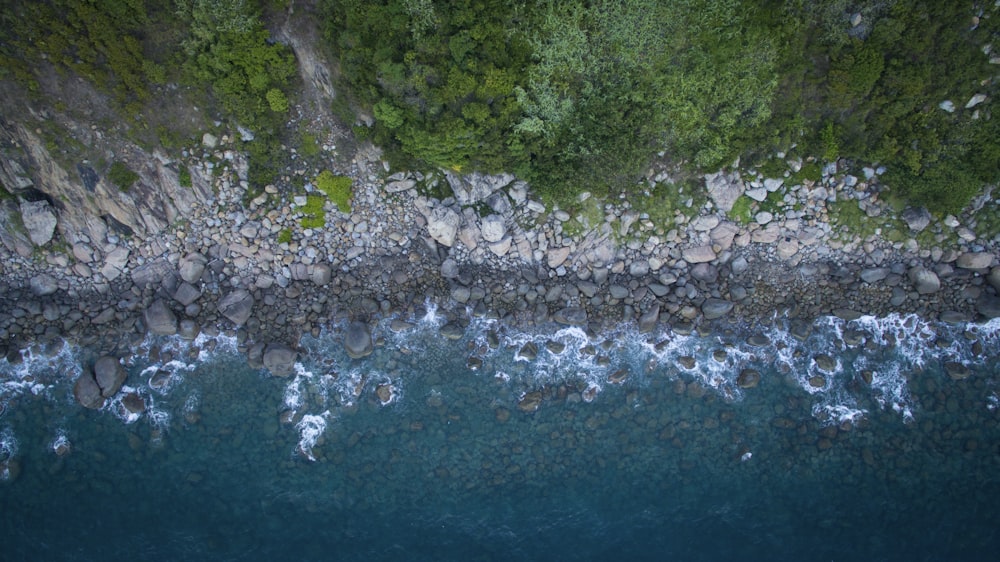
230	463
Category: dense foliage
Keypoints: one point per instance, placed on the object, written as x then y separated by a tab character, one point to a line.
581	95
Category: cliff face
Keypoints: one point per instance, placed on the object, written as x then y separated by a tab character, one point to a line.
85	205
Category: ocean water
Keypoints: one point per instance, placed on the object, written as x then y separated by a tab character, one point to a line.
855	445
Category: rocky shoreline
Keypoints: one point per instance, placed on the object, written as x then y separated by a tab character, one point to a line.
489	250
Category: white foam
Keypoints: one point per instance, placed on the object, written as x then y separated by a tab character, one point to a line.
311	428
60	444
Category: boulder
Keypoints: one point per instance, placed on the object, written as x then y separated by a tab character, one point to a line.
571	316
724	189
358	340
186	293
557	256
87	392
191	267
874	274
109	375
994	278
748	378
39	221
917	218
648	320
442	225
321	274
988	306
724	234
160	320
493	228
715	308
280	359
114	263
151	273
43	284
699	254
237	306
974	260
924	280
401	185
476	187
188	329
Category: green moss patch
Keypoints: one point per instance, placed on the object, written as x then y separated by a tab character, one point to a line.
336	188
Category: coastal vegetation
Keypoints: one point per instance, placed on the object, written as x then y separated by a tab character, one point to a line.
571	96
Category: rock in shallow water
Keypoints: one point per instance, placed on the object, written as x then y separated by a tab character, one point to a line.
109	375
358	340
280	359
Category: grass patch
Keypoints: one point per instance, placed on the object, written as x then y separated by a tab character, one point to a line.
773	168
308	146
851	219
313	215
742	211
665	200
184	176
810	171
337	188
988	221
121	176
585	216
285	236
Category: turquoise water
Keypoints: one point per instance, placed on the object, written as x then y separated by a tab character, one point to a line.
229	463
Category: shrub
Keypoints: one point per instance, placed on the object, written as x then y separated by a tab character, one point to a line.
121	176
184	176
336	188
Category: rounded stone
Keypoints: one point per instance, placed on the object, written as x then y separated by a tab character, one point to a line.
358	340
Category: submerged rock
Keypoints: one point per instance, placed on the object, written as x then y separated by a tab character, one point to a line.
748	378
358	340
109	375
280	359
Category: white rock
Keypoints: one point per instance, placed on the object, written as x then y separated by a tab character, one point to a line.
699	254
975	100
763	217
208	140
39	221
757	194
948	106
493	228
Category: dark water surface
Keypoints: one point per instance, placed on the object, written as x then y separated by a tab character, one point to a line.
673	463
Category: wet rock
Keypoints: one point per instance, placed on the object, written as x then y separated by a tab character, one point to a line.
817	381
109	375
191	267
451	331
825	363
237	306
188	329
555	347
358	340
474	363
571	316
43	284
956	371
280	359
87	392
867	375
385	393
530	402
748	378
528	351
398	325
974	260
687	362
715	308
647	322
924	280
618	377
758	340
159	319
134	403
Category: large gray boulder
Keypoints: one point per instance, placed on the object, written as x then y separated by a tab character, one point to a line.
110	375
975	260
476	187
924	280
988	306
280	359
39	221
699	254
358	340
87	392
151	273
43	284
493	228
191	267
715	308
917	218
724	189
237	306
160	320
442	225
571	316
